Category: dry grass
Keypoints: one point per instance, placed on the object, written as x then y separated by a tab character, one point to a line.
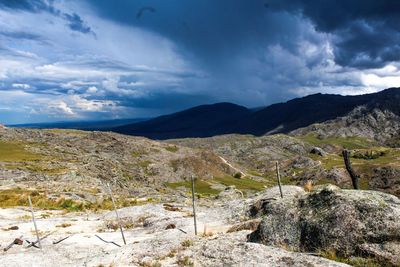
184	261
170	207
353	261
19	197
150	264
187	243
308	186
64	225
206	232
172	253
126	223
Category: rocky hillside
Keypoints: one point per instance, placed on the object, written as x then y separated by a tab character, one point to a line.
305	158
83	162
382	125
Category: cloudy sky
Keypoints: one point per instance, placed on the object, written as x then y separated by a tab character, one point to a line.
102	59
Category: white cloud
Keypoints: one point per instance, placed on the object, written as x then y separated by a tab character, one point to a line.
21	86
82	104
59	107
92	90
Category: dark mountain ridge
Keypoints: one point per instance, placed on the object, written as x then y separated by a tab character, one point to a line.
225	118
200	121
92	125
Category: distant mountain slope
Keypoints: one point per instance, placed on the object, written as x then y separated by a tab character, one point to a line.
200	121
224	118
79	125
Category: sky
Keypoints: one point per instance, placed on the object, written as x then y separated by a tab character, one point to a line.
64	60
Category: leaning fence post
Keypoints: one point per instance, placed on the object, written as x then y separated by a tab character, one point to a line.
116	213
194	207
34	222
279	179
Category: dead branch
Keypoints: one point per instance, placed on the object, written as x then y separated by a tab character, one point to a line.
61	240
109	242
17	241
33	244
182	230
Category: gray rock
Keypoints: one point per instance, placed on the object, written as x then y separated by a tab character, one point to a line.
330	219
387	179
318	151
233	250
230	193
339	176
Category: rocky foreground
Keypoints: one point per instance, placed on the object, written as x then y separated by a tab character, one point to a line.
361	228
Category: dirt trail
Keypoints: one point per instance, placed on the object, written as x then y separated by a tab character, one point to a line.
233	167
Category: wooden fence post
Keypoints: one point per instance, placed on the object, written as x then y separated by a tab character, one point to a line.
116	213
34	222
278	175
194	207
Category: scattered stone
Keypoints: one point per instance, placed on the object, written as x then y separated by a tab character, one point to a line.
170	226
230	193
18	241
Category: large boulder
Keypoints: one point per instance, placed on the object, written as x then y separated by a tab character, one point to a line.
233	250
346	222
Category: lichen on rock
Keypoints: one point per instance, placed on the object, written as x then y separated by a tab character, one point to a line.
349	222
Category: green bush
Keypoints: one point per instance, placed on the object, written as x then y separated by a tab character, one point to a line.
238	175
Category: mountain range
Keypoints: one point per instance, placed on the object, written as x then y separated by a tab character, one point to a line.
375	116
92	125
227	118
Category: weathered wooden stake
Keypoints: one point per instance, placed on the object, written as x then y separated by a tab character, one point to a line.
354	177
34	222
194	207
116	213
279	179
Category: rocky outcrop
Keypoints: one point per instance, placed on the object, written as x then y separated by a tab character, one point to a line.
386	179
378	124
347	222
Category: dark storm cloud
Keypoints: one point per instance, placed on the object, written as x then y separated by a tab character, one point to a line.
167	101
74	21
366	31
210	29
158	56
